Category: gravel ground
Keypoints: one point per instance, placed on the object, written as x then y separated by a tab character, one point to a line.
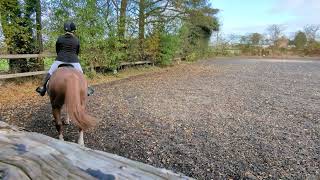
217	119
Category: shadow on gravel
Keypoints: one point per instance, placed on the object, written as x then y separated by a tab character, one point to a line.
42	121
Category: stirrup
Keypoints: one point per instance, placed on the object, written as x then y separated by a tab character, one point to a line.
41	91
90	91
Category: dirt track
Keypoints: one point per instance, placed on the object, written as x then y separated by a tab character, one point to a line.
214	119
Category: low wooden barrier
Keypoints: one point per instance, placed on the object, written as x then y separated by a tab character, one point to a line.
27	56
29	155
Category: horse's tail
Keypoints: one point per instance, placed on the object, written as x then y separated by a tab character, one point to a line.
75	109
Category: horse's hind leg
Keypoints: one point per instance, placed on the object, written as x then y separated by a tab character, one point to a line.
80	139
66	120
83	97
57	116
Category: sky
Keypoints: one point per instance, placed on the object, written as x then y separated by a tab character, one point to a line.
248	16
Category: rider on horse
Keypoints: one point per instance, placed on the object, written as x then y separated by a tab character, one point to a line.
67	48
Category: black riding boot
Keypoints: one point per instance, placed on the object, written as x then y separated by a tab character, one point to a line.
42	90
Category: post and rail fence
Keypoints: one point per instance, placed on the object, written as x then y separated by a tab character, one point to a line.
27	56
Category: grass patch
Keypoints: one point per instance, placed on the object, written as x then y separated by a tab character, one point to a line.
4	65
48	62
99	78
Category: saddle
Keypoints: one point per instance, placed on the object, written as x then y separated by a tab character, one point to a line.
66	65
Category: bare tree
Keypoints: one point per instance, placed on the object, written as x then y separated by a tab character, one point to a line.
244	39
234	39
275	31
311	31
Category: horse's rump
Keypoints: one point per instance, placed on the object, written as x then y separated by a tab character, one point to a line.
68	86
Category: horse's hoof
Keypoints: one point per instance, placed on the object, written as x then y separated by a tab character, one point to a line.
61	137
81	143
66	122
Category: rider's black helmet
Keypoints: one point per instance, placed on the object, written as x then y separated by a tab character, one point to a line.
69	27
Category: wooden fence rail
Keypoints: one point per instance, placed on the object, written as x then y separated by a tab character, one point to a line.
26	56
17	75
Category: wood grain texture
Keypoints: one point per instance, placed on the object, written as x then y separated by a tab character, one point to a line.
28	155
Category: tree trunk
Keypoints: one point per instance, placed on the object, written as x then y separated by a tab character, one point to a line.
39	33
141	27
28	26
39	26
122	21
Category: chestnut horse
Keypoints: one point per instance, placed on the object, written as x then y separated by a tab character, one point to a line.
68	87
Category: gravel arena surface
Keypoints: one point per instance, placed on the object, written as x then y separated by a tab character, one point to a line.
215	119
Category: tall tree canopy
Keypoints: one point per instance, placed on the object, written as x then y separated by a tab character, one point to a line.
300	40
111	31
18	26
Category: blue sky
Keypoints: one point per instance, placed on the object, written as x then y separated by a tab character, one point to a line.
247	16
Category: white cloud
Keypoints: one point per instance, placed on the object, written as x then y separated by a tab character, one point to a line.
292	14
305	11
297	6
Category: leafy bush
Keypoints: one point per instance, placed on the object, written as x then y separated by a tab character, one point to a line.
312	49
169	44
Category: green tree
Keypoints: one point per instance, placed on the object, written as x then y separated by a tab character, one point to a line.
300	40
18	28
150	12
199	21
127	30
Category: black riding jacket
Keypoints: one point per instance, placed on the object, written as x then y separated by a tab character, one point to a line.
67	48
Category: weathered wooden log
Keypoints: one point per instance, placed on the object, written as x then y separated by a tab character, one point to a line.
28	155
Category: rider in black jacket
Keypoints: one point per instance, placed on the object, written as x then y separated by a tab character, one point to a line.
67	49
